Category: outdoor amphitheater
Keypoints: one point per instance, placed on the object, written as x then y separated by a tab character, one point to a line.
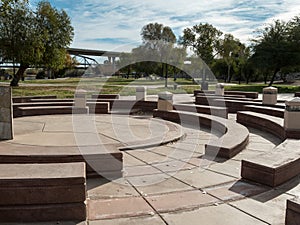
215	157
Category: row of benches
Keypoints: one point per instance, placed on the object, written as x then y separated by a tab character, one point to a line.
225	146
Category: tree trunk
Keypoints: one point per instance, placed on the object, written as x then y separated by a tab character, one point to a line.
273	77
18	76
228	73
166	75
240	77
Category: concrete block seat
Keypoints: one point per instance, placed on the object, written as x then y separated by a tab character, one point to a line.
211	110
277	112
234	137
42	192
275	167
293	212
106	163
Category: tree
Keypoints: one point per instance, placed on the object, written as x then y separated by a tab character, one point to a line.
55	28
33	38
204	39
277	46
161	39
229	50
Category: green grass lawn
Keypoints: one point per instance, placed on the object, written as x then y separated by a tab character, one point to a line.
65	88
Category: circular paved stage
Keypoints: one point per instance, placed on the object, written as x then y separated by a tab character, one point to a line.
84	130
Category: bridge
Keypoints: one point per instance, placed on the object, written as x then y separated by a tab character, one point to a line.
84	53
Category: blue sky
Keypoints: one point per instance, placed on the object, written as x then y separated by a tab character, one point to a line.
116	25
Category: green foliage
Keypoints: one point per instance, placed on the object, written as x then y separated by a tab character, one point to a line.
33	38
277	47
156	55
204	39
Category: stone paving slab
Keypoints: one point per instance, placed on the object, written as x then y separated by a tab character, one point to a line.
140	170
180	201
152	220
230	168
235	190
167	185
118	207
212	215
202	178
269	206
100	188
173	166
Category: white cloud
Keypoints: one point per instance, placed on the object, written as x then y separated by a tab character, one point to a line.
95	20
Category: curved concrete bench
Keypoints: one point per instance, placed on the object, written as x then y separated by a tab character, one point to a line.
210	100
248	94
271	124
238	105
228	96
51	108
210	110
234	137
275	167
29	98
42	192
277	112
115	104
